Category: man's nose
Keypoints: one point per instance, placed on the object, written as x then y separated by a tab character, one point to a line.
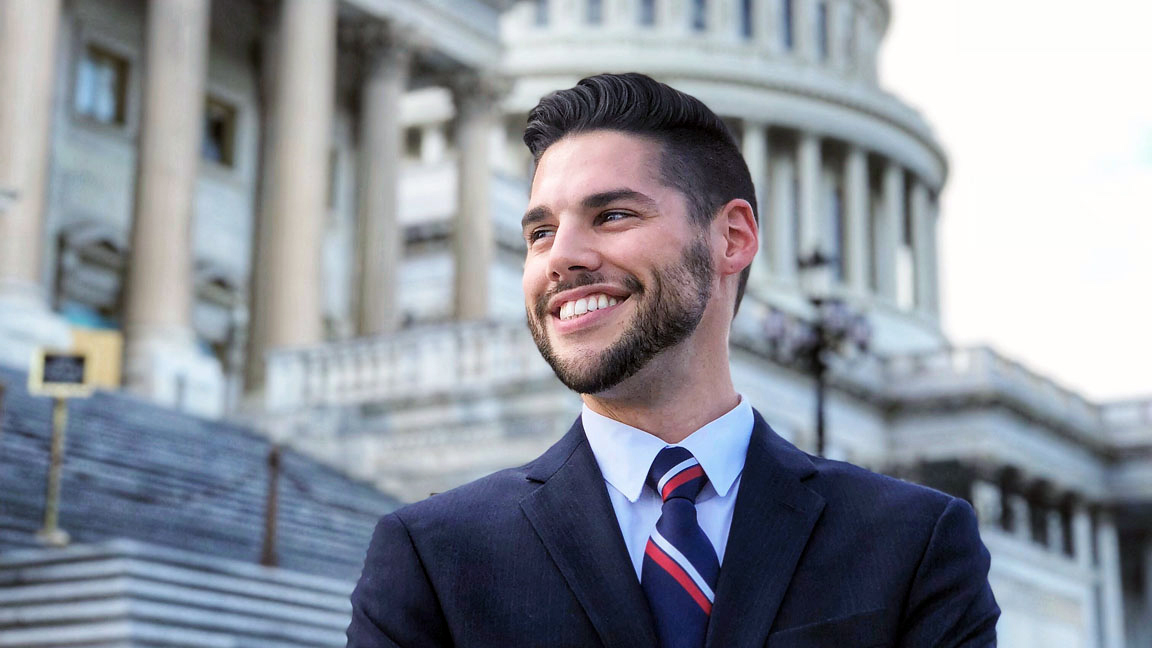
573	252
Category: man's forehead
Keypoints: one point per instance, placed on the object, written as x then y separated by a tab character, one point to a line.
594	162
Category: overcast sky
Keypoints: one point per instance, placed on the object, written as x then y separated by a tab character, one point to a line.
1045	110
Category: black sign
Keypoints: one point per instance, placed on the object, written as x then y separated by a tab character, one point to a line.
63	368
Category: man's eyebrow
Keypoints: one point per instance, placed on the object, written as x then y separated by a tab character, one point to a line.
535	215
605	198
593	201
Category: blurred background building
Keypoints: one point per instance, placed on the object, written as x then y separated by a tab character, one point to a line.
302	216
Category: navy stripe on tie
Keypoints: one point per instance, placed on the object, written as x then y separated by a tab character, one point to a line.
680	569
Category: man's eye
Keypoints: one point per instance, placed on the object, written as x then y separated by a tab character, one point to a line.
612	216
537	234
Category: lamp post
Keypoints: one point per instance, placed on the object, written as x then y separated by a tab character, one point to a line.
807	343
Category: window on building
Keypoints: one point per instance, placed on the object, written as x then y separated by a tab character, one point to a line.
787	31
794	215
875	204
413	141
219	140
541	12
822	30
838	231
746	16
595	14
699	15
647	16
101	92
333	176
851	39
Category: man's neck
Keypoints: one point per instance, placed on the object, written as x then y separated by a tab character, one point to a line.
670	402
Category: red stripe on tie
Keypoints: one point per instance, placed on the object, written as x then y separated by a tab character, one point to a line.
688	474
675	571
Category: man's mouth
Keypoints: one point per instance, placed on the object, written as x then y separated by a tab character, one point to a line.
584	305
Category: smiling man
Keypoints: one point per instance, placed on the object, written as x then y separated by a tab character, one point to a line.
671	514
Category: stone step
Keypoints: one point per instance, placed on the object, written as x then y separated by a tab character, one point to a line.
127	593
135	470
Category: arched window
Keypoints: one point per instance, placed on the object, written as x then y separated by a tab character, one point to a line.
822	30
699	15
647	15
595	14
787	26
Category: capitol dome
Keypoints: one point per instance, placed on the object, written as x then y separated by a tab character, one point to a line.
840	166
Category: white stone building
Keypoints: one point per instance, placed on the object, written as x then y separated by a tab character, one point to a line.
335	186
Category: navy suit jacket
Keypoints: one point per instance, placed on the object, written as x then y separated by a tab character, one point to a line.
820	553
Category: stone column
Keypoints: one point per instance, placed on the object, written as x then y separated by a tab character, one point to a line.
477	112
433	143
287	305
767	20
856	214
159	285
28	36
932	265
381	239
784	225
923	246
987	504
1148	582
1082	548
812	226
1020	510
755	149
1111	595
804	29
888	224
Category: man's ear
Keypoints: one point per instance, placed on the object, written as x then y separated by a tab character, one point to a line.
736	224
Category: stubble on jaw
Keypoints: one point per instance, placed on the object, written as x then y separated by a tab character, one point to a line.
665	315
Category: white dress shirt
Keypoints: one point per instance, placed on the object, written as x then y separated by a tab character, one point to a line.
625	455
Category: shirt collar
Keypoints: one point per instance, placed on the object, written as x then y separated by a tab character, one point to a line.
625	453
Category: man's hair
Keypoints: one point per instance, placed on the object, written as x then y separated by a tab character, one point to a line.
699	156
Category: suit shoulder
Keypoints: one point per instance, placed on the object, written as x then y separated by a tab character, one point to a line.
846	483
500	490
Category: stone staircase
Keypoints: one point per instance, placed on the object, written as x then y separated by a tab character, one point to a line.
139	471
127	594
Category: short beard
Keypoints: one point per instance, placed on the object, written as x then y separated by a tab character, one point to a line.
665	316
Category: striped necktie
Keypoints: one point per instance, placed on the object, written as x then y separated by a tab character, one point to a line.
680	567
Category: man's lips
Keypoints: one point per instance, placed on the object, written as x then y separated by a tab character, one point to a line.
572	323
573	297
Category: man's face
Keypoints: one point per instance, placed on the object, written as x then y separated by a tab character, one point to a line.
615	272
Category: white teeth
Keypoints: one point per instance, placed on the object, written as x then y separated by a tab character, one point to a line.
586	305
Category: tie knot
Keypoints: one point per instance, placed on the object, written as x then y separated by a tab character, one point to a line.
676	473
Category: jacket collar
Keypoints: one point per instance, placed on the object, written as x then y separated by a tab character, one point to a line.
573	516
774	517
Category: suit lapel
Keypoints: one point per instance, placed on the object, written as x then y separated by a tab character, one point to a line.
775	514
573	516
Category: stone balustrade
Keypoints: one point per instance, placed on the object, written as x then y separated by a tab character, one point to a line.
982	370
452	358
1129	422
